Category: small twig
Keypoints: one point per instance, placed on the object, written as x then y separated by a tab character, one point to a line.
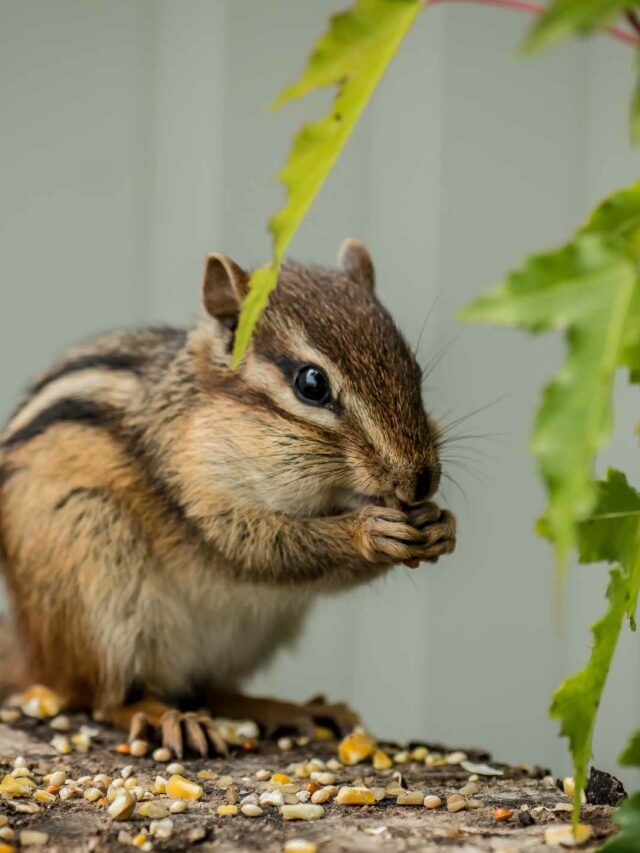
538	9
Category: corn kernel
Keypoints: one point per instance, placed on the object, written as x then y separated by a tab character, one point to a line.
227	810
180	788
348	796
381	760
355	747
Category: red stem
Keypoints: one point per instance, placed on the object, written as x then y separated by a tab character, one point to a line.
537	9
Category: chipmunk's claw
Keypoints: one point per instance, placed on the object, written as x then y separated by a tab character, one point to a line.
178	731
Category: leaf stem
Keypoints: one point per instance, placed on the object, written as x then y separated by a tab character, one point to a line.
617	33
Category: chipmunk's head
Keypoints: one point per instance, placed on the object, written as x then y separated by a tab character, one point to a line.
325	411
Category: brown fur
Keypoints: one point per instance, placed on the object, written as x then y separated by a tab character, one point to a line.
165	522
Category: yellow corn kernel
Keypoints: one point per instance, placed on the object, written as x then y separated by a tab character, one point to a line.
281	778
179	788
227	810
355	747
355	796
381	760
12	787
43	796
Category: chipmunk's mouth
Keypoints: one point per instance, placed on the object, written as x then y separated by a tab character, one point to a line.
345	501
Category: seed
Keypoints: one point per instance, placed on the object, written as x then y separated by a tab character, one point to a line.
198	833
40	702
323	778
227	810
33	838
81	741
285	744
9	715
525	818
299	771
92	794
61	744
7	834
161	754
299	845
209	775
281	778
250	799
131	782
501	814
21	773
456	757
569	785
272	798
475	804
355	747
563	807
176	768
61	723
456	803
122	807
122	748
69	792
101	780
139	748
7	848
127	771
432	802
381	760
12	787
180	788
419	753
52	789
161	829
154	809
251	810
141	842
159	785
177	807
118	783
334	764
56	778
43	796
263	775
225	782
303	811
231	796
469	789
401	757
410	798
355	796
566	836
324	794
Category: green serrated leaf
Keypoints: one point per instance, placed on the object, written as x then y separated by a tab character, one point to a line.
611	534
563	17
353	55
628	819
588	289
630	756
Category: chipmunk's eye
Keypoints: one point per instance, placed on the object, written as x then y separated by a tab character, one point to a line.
312	385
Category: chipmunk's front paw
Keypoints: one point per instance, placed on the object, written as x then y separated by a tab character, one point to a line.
438	527
387	535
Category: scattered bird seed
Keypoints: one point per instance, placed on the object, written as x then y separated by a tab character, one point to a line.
355	796
480	769
180	788
456	757
324	794
139	748
401	757
469	789
565	836
501	814
154	809
161	829
161	754
227	810
525	818
302	811
122	807
92	794
355	747
431	801
410	798
285	744
178	806
381	760
176	769
263	775
9	715
30	837
299	845
272	798
44	796
251	810
61	744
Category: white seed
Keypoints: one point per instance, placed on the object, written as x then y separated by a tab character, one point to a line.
475	804
154	809
303	811
456	803
127	771
61	723
432	802
161	829
271	798
29	837
159	785
139	748
196	834
263	775
249	800
131	782
69	793
303	796
175	769
401	757
334	764
122	807
7	834
410	798
285	744
93	794
61	744
469	789
101	780
21	772
299	845
324	794
9	715
178	806
456	757
323	778
20	762
565	836
161	754
251	810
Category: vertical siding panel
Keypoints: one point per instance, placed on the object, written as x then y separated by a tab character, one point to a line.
186	161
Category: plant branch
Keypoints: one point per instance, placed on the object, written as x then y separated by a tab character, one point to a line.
537	9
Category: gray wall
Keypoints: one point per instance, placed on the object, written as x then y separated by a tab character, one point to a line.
136	137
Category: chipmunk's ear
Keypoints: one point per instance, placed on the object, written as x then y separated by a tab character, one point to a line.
224	286
354	259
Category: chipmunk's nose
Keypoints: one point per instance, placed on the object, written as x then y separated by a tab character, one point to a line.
421	486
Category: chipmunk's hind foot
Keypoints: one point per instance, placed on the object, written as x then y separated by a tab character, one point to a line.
178	731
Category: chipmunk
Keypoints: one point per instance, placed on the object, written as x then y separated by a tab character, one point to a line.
166	521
